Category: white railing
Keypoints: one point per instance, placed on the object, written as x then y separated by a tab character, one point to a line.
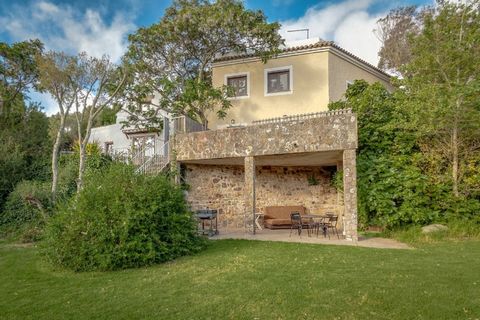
302	117
140	155
155	163
154	158
147	159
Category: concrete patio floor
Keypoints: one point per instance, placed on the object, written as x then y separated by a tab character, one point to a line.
284	236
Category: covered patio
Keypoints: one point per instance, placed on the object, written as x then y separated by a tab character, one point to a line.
241	171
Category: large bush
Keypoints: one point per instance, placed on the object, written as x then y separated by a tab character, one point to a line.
29	205
120	220
29	201
26	210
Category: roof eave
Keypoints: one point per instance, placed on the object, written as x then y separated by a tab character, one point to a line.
298	51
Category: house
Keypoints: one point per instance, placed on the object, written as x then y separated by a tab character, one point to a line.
279	145
304	77
278	137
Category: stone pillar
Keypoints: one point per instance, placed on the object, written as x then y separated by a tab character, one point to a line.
249	193
350	194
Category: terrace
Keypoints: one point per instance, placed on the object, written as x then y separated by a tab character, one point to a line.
243	170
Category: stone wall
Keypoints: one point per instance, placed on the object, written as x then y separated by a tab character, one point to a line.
218	187
334	130
223	187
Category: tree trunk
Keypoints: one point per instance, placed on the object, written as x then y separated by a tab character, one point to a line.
455	142
458	102
81	167
83	143
455	161
56	147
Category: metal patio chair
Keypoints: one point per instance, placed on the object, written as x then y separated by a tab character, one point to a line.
331	224
296	220
299	224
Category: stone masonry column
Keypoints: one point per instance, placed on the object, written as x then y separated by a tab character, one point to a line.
350	194
249	194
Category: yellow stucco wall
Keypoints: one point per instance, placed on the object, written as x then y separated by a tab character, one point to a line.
310	88
342	70
318	78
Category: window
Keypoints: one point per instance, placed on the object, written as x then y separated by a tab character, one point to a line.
239	83
278	81
348	84
108	147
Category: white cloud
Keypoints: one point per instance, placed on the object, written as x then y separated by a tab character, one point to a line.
348	23
62	27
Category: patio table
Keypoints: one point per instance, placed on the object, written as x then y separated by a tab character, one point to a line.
319	219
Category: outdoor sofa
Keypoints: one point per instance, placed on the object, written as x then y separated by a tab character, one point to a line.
278	217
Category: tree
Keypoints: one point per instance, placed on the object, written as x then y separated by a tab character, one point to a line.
88	84
442	85
18	70
23	127
392	189
70	133
24	145
172	59
393	31
56	70
101	83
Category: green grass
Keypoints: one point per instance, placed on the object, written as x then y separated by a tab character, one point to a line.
238	279
459	230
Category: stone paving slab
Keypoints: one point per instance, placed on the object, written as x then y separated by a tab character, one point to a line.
284	236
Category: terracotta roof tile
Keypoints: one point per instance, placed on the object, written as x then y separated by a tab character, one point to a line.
319	44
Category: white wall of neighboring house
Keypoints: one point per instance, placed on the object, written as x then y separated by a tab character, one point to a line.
111	133
118	141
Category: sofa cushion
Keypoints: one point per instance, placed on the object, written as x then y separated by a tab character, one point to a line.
282	212
278	221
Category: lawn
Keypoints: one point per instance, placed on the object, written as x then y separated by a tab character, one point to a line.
239	279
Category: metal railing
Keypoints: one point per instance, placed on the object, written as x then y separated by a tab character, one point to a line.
148	159
185	124
156	162
302	117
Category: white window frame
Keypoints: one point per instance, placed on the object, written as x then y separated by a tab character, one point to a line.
265	80
239	74
348	83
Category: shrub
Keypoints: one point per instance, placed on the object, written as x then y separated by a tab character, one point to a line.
68	170
121	220
21	217
28	202
26	210
337	180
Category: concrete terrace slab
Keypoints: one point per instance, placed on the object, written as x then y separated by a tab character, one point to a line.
284	236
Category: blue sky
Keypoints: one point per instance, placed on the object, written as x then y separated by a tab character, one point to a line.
102	26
